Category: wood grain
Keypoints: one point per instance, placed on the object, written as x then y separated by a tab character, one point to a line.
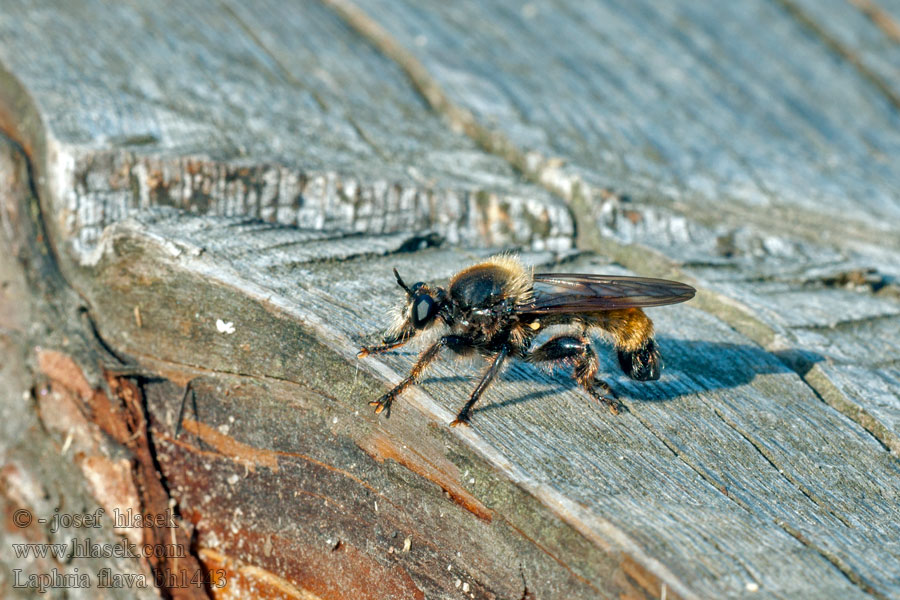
222	190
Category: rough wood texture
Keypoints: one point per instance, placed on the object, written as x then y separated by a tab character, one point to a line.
218	195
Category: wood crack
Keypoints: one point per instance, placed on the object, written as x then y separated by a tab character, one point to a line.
831	395
283	71
718	486
844	52
771	460
835	560
547	551
846	324
842	566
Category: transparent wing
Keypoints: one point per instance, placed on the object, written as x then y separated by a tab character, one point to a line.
575	292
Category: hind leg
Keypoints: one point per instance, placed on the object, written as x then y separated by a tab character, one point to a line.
578	351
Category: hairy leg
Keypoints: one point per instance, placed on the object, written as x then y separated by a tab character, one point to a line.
457	343
642	364
384	347
463	417
578	351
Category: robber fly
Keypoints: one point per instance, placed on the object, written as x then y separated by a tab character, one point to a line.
497	307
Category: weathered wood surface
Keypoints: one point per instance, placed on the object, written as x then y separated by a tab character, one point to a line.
266	166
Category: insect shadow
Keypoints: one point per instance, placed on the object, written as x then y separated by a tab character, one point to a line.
691	367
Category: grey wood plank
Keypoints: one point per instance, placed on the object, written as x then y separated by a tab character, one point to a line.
694	103
863	31
720	449
871	391
891	8
315	129
810	303
742	155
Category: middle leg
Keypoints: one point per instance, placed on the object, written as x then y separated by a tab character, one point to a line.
463	417
578	351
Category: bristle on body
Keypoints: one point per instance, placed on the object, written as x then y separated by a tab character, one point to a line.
521	282
517	281
629	328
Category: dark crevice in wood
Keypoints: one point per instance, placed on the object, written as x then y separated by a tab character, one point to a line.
654	263
842	51
155	496
153	475
851	575
123	362
863	280
414	243
868	279
526	595
337	235
884	364
829	394
802	366
419	242
207	371
846	324
58	301
37	255
845	569
546	551
772	461
283	71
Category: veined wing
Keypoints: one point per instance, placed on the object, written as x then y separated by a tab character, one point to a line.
577	292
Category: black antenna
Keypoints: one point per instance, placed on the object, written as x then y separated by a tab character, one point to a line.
400	281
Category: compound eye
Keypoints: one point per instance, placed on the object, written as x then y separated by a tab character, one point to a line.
423	310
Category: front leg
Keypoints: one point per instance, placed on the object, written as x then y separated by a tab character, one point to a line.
400	332
387	344
457	343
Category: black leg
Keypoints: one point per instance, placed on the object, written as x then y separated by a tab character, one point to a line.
463	417
457	343
188	390
578	350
